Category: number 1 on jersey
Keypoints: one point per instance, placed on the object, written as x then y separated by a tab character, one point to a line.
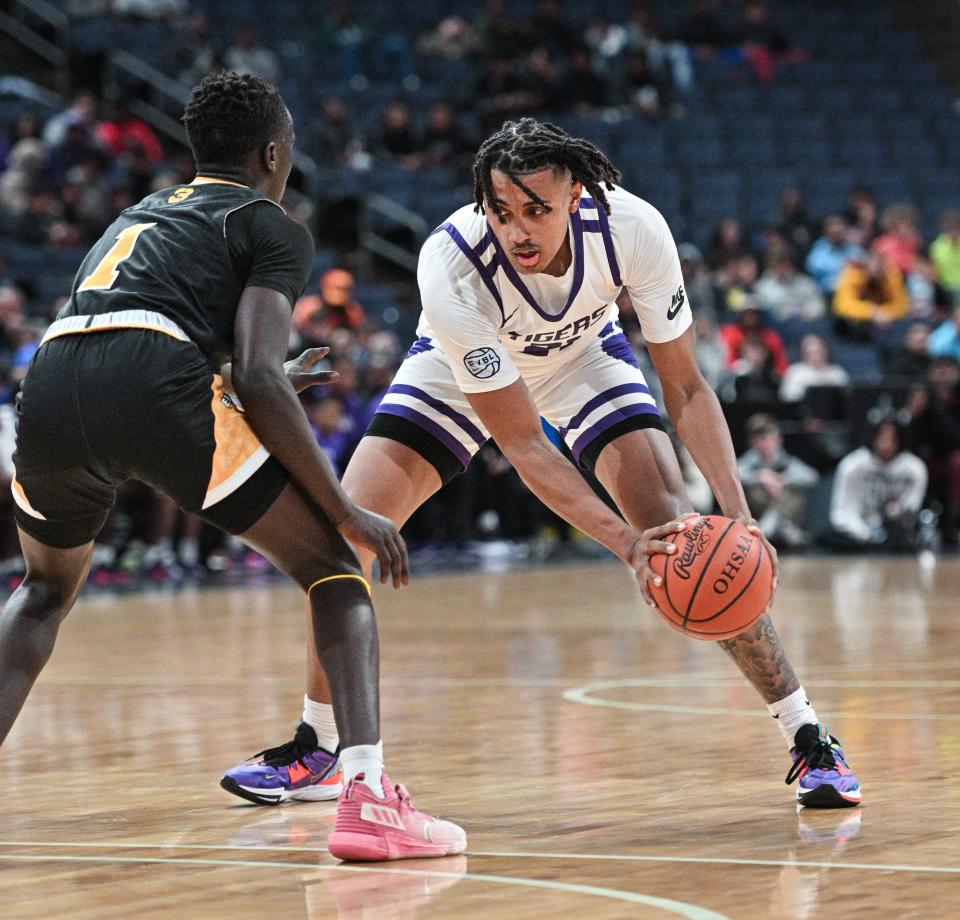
102	278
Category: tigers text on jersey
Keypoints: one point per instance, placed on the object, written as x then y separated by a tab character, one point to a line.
496	325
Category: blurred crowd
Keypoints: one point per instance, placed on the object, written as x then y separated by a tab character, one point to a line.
833	340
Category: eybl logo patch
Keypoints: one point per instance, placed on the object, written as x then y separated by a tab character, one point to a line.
482	362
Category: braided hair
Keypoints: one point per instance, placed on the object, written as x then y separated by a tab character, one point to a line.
229	115
527	146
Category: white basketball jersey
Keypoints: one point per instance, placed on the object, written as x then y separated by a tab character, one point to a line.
496	325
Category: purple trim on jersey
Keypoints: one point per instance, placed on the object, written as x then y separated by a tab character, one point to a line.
604	228
431	427
485	273
600	399
442	408
606	330
421	345
578	269
484	242
618	347
608	421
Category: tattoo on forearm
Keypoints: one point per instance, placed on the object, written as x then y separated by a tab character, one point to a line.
760	656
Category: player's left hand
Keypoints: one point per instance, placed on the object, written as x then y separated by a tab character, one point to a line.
754	528
302	372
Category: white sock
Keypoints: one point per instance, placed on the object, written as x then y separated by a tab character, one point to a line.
792	712
319	716
366	759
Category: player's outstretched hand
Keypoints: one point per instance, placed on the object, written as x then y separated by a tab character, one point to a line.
754	528
302	372
654	541
377	534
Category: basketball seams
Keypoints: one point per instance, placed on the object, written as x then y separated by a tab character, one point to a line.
743	590
725	634
703	571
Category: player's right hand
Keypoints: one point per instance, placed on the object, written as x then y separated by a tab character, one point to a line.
654	541
378	534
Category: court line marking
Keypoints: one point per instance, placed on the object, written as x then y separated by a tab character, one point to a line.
664	680
680	908
507	854
582	694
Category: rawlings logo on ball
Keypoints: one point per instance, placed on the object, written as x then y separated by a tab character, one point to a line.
696	541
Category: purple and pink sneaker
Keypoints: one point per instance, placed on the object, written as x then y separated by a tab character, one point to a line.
820	765
299	770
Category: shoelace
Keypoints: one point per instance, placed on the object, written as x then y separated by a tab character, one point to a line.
817	756
283	754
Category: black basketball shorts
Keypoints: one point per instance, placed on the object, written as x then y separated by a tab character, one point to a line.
99	408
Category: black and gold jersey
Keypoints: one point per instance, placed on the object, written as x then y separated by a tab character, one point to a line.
187	253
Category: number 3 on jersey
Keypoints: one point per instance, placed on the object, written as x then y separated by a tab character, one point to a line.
102	278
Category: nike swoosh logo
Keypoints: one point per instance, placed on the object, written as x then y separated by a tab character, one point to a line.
673	311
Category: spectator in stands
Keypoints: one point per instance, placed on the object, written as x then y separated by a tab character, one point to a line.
870	293
124	135
727	244
77	145
582	89
928	298
877	494
670	60
607	42
23	178
935	433
750	326
500	92
395	137
945	251
762	43
194	51
644	92
542	81
785	294
814	369
900	242
246	56
911	357
862	215
776	483
737	283
12	305
330	426
696	280
25	125
333	137
443	140
453	39
91	178
830	254
944	341
756	361
316	316
796	226
82	110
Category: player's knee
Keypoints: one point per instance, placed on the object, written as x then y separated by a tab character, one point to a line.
31	619
328	568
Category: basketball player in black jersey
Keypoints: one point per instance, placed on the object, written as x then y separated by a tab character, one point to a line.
127	383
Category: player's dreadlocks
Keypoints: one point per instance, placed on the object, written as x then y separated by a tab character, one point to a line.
229	115
526	146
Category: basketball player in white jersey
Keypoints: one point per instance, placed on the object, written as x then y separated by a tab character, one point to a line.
519	321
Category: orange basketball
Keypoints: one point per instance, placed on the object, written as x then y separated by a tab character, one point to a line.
717	583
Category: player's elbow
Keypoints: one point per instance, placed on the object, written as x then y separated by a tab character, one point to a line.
254	380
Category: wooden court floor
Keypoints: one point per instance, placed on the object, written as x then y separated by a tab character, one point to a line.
603	766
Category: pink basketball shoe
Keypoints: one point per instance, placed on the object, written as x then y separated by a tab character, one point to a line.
370	829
